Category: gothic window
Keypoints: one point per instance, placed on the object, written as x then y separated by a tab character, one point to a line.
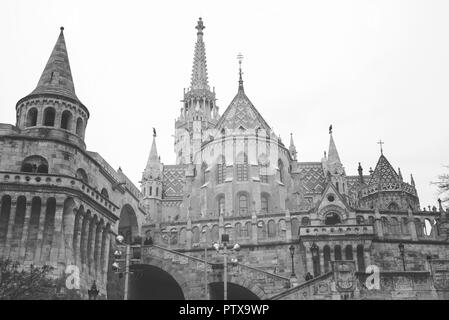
395	228
264	204
221	171
105	194
271	229
203	173
332	218
66	120
360	258
182	236
49	117
263	173
327	258
337	253
242	167
261	230
404	225
371	220
385	225
281	171
246	231
337	186
348	252
195	235
316	264
221	206
282	228
157	191
393	206
243	204
31	117
215	233
419	228
151	191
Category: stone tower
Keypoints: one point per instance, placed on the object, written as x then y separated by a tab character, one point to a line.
53	104
152	184
199	111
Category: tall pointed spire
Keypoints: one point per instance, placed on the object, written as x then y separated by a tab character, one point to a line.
57	78
199	71
292	147
333	157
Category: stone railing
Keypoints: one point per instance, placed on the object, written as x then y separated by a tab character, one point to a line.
398	186
51	180
336	230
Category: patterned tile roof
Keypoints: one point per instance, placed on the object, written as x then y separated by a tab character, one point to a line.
383	173
174	179
311	175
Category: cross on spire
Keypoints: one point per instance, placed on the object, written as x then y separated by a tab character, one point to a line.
200	26
380	143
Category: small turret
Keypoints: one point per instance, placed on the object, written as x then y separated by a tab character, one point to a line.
412	181
400	175
360	170
292	147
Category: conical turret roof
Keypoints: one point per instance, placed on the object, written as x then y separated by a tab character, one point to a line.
384	172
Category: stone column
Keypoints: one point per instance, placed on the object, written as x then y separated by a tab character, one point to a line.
97	250
68	228
106	254
26	223
85	239
91	244
9	229
40	115
58	241
411	225
40	231
378	224
58	116
188	234
77	238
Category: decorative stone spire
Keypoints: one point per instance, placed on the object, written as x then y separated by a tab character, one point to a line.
153	169
292	147
400	174
412	181
360	170
199	71
240	58
56	79
333	159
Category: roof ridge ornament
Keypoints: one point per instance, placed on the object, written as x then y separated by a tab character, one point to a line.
240	59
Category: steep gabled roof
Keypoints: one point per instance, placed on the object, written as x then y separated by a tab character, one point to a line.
383	173
242	113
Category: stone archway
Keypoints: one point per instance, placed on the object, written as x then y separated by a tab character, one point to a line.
128	225
235	292
149	282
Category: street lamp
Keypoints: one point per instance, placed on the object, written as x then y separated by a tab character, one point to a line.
224	246
93	292
205	263
402	252
292	254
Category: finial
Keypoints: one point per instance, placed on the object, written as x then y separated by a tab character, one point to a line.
381	143
200	26
62	29
240	58
330	129
154	132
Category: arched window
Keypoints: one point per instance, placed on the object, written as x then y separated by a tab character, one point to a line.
348	253
271	229
419	227
203	173
49	117
246	231
243	204
36	164
261	230
182	236
237	230
385	225
360	258
263	171
221	205
79	127
31	117
371	220
151	191
66	120
215	233
327	258
395	228
305	221
264	204
242	167
337	253
281	170
105	193
195	235
332	218
82	175
157	191
404	225
316	263
221	171
393	206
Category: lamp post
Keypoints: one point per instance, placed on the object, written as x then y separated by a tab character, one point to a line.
206	295
127	259
224	246
314	249
93	292
292	254
402	252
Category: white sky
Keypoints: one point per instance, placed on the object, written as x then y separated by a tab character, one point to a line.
374	69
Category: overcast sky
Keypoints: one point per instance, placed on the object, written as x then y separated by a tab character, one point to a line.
373	69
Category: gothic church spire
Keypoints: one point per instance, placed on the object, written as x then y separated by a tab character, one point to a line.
199	71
